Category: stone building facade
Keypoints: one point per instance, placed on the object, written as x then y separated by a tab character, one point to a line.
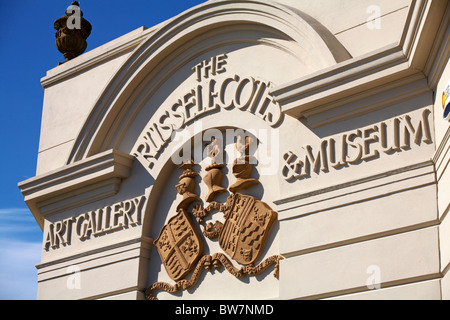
244	139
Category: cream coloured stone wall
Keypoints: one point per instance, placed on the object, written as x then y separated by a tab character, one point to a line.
367	26
63	104
355	166
442	158
70	92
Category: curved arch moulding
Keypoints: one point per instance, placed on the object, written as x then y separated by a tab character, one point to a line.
252	45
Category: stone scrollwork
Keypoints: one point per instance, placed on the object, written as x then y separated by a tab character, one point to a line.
216	260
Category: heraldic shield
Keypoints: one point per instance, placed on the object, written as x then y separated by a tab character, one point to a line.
247	225
179	246
242	236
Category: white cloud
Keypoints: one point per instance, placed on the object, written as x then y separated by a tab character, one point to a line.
16	214
18	275
18	254
18	223
13	210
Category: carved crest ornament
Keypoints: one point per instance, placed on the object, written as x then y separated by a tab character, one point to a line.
72	32
242	236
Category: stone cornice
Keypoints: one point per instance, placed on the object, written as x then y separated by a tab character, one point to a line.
364	75
125	43
76	184
150	57
342	80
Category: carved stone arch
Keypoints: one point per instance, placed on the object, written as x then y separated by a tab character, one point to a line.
160	55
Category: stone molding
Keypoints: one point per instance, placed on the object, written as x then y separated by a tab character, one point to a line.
125	43
117	104
398	180
332	201
132	253
73	185
340	222
442	156
364	76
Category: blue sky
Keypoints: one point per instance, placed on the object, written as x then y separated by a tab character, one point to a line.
27	52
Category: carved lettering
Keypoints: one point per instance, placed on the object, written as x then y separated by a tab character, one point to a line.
421	132
352	148
370	137
212	67
318	161
390	136
243	93
337	152
58	234
119	216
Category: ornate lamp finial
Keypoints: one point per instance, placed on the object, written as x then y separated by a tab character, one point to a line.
72	32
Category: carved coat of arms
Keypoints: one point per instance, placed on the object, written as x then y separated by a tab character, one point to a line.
242	235
179	246
247	225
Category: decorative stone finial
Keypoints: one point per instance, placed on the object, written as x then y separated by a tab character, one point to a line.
72	32
214	175
242	166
